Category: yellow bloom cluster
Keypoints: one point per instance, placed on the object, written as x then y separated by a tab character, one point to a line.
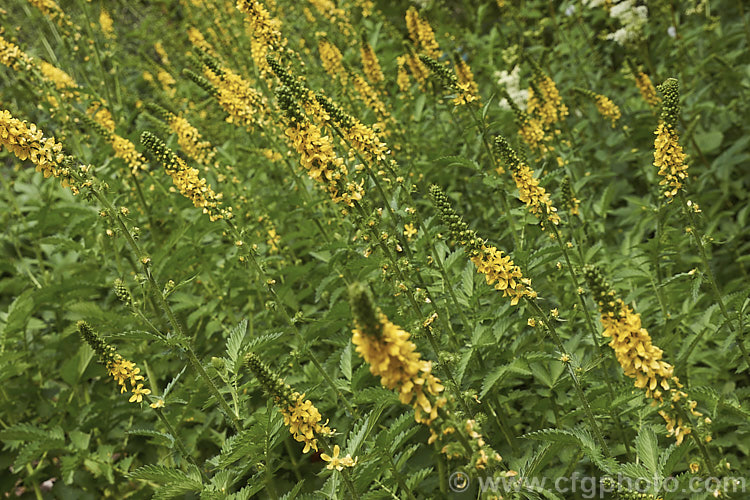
319	160
334	462
190	141
369	96
532	133
607	108
334	14
535	197
669	159
417	69
332	59
360	136
59	78
300	415
121	370
648	92
106	24
466	76
26	141
637	355
198	40
395	359
244	104
162	53
547	104
370	63
402	77
167	82
266	33
187	179
125	150
102	116
50	9
421	34
124	371
303	420
13	57
668	155
500	271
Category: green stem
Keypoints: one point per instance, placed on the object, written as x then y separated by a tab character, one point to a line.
576	383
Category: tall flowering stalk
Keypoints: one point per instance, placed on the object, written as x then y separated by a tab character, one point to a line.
394	358
639	358
124	372
606	107
530	129
187	179
332	60
535	197
544	99
465	75
421	34
26	141
498	268
188	137
266	33
317	156
300	415
463	92
102	123
244	105
668	155
54	12
370	63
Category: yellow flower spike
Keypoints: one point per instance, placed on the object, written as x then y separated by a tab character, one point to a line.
669	157
301	417
26	141
186	179
394	358
121	370
421	34
535	197
370	63
106	24
331	58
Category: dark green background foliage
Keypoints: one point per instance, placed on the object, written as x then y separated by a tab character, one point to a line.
61	415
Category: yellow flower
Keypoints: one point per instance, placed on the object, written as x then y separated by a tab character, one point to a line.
303	420
648	92
410	231
27	142
669	159
187	179
107	24
395	359
370	63
547	104
422	34
500	271
466	76
607	108
138	393
331	58
159	403
334	462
